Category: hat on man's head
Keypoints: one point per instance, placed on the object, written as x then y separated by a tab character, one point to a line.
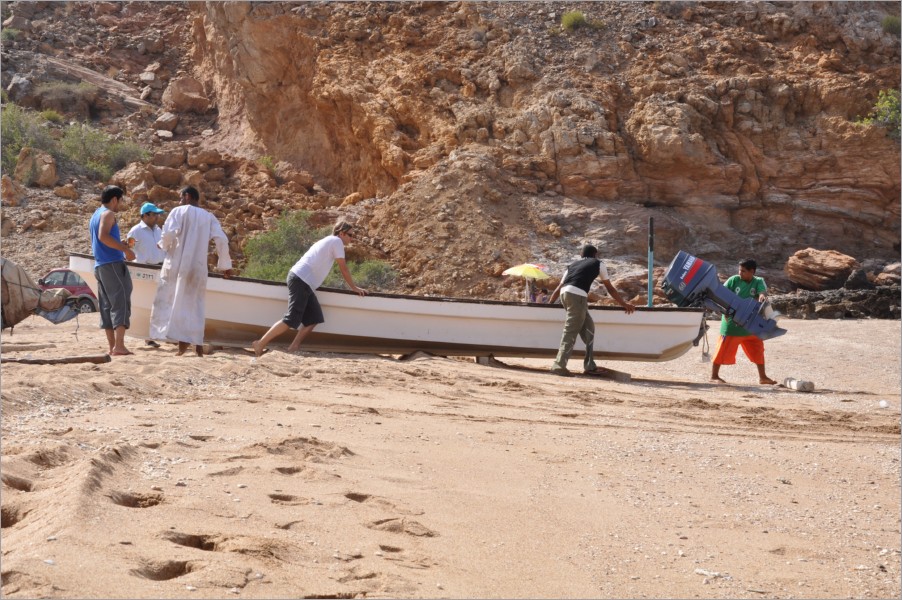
149	207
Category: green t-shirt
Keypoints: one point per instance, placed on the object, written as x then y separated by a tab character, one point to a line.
752	289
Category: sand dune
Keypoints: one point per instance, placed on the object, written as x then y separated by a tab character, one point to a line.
339	476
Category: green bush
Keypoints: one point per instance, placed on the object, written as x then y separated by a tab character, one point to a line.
268	163
9	34
892	24
271	254
98	152
20	128
52	116
370	274
886	113
573	20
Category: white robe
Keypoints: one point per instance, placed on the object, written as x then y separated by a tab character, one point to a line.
178	307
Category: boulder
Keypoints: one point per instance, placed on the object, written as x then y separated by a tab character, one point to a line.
173	158
352	199
133	176
67	191
186	94
11	192
204	157
167	121
17	22
159	194
817	270
166	176
35	167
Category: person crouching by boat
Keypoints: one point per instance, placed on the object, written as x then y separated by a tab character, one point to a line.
574	293
178	308
304	312
114	284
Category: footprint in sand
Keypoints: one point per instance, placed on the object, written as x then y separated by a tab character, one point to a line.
288	499
10	514
402	525
135	500
17	483
165	570
378	501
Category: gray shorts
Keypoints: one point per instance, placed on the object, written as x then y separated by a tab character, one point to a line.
114	291
303	307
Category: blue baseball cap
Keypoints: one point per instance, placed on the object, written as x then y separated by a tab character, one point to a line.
149	207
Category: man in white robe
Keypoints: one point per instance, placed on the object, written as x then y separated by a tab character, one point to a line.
178	307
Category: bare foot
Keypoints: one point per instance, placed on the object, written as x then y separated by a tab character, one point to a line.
293	348
767	381
258	351
122	352
717	380
182	347
199	350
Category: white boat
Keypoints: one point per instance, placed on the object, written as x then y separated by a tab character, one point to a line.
239	310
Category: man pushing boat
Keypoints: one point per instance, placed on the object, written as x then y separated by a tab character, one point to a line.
304	312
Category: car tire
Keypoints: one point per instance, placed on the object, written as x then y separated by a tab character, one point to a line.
85	306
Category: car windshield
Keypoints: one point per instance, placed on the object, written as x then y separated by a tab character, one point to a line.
55	278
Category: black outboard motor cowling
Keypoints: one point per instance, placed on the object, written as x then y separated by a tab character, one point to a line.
690	281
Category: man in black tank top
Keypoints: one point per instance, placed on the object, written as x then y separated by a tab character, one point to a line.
574	293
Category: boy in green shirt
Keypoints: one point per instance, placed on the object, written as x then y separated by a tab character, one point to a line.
732	336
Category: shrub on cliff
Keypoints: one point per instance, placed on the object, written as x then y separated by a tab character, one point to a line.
98	152
272	253
886	113
574	19
892	24
22	128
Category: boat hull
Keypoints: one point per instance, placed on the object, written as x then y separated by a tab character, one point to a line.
239	310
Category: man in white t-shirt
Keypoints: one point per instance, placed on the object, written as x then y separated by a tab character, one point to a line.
147	235
304	312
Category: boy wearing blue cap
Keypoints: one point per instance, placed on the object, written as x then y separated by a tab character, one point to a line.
144	238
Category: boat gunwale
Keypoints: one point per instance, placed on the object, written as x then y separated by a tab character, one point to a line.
445	299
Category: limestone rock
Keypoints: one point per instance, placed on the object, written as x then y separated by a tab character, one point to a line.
818	270
204	157
170	157
132	177
186	94
167	121
67	191
17	22
166	176
352	199
34	167
159	194
10	191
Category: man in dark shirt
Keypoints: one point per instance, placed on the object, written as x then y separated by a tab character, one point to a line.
574	293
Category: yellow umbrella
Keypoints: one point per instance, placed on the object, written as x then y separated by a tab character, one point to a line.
527	270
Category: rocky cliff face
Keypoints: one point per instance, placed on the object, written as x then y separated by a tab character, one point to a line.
485	135
467	137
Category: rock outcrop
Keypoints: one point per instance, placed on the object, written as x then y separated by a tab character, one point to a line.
818	270
734	126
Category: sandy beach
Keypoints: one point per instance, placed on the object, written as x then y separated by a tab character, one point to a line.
343	476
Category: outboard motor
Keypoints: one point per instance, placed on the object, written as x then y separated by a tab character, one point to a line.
690	281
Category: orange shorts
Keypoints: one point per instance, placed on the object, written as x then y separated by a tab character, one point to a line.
725	354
